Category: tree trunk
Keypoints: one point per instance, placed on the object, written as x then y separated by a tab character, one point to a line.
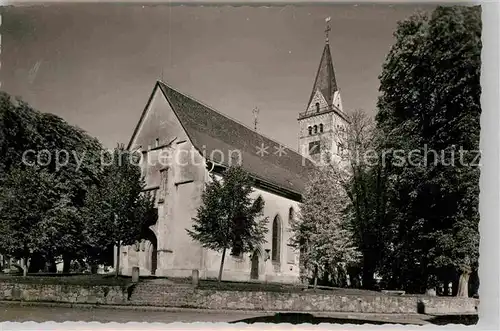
117	271
52	265
463	284
66	264
454	288
221	266
36	263
368	270
315	278
449	287
24	266
354	274
474	284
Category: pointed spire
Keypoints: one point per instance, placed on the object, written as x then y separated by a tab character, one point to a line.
325	80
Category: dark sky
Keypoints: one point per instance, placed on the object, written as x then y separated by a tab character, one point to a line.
96	64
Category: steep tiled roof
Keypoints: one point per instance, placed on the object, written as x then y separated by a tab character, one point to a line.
325	77
210	130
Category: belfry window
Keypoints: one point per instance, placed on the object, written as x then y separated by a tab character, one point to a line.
317	106
321	128
310	130
315	129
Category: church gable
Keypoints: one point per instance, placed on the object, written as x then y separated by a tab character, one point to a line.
158	125
318	103
161	138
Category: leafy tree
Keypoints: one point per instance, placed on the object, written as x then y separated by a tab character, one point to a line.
227	217
366	188
42	151
57	199
29	137
430	101
37	223
364	184
117	212
322	232
23	209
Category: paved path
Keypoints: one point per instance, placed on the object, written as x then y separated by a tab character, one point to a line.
16	312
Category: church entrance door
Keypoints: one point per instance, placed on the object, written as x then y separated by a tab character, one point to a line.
154	258
254	272
152	251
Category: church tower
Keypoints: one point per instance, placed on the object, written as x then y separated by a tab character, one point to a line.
323	120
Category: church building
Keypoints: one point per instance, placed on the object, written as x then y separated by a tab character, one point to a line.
183	141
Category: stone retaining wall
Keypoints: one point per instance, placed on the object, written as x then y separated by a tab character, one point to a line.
154	295
63	293
186	296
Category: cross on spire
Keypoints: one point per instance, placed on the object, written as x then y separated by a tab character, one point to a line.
327	20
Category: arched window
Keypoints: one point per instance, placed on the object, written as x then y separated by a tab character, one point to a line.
315	129
317	106
321	128
276	242
310	130
290	249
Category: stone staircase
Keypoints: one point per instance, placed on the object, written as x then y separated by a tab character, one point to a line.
162	293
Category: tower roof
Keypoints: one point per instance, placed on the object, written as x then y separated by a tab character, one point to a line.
325	80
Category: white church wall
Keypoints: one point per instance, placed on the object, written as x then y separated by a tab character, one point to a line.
181	254
239	268
177	192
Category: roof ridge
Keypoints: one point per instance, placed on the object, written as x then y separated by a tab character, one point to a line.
228	117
